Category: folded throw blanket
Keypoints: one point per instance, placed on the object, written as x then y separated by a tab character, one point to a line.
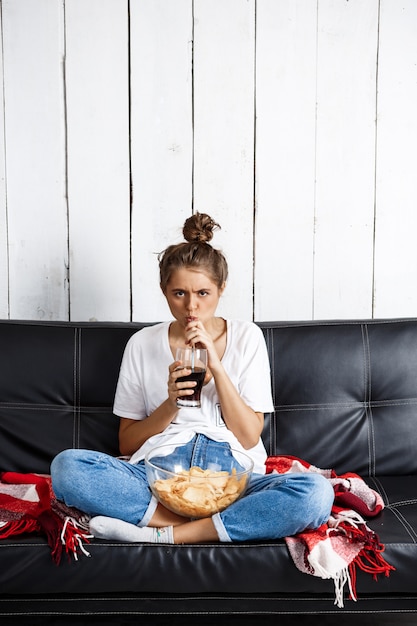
345	542
28	505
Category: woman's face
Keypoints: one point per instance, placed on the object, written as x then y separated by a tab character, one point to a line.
191	294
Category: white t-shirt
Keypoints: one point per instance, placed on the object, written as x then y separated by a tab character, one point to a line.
142	387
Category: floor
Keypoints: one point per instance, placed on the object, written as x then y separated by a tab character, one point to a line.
394	619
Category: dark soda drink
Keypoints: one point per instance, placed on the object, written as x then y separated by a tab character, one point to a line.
197	375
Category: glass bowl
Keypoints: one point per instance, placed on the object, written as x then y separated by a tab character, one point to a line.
198	491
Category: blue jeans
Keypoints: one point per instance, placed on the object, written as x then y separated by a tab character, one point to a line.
272	507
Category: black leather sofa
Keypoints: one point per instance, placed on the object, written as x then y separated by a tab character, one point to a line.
345	398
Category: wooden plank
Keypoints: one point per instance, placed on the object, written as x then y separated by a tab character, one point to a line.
4	270
161	87
345	165
224	62
285	157
396	215
97	93
35	158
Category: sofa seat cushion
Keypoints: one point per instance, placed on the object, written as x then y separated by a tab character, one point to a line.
261	567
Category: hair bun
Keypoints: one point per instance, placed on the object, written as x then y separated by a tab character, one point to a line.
199	228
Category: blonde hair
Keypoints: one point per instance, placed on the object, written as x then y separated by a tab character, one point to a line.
195	252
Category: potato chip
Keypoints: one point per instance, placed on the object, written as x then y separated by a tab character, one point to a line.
199	493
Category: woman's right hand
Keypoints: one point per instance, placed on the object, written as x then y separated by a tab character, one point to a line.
175	388
134	433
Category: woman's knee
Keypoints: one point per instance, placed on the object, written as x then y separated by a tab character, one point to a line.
64	460
64	468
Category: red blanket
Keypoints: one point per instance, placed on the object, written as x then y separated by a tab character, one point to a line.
28	505
345	542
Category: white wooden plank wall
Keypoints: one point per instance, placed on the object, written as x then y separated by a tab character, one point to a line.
345	158
285	157
97	103
396	183
35	158
161	36
224	38
292	122
4	282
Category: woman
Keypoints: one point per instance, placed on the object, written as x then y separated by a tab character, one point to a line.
235	397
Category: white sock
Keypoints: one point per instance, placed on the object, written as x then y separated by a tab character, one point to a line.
111	528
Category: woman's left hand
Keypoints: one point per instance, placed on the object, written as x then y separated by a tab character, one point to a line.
198	337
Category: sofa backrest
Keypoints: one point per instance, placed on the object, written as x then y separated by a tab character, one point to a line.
345	393
57	384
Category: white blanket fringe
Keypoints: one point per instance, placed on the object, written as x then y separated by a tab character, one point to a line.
77	537
340	580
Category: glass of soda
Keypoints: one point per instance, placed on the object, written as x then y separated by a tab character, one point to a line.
194	359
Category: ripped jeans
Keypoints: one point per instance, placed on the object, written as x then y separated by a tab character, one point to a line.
273	506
